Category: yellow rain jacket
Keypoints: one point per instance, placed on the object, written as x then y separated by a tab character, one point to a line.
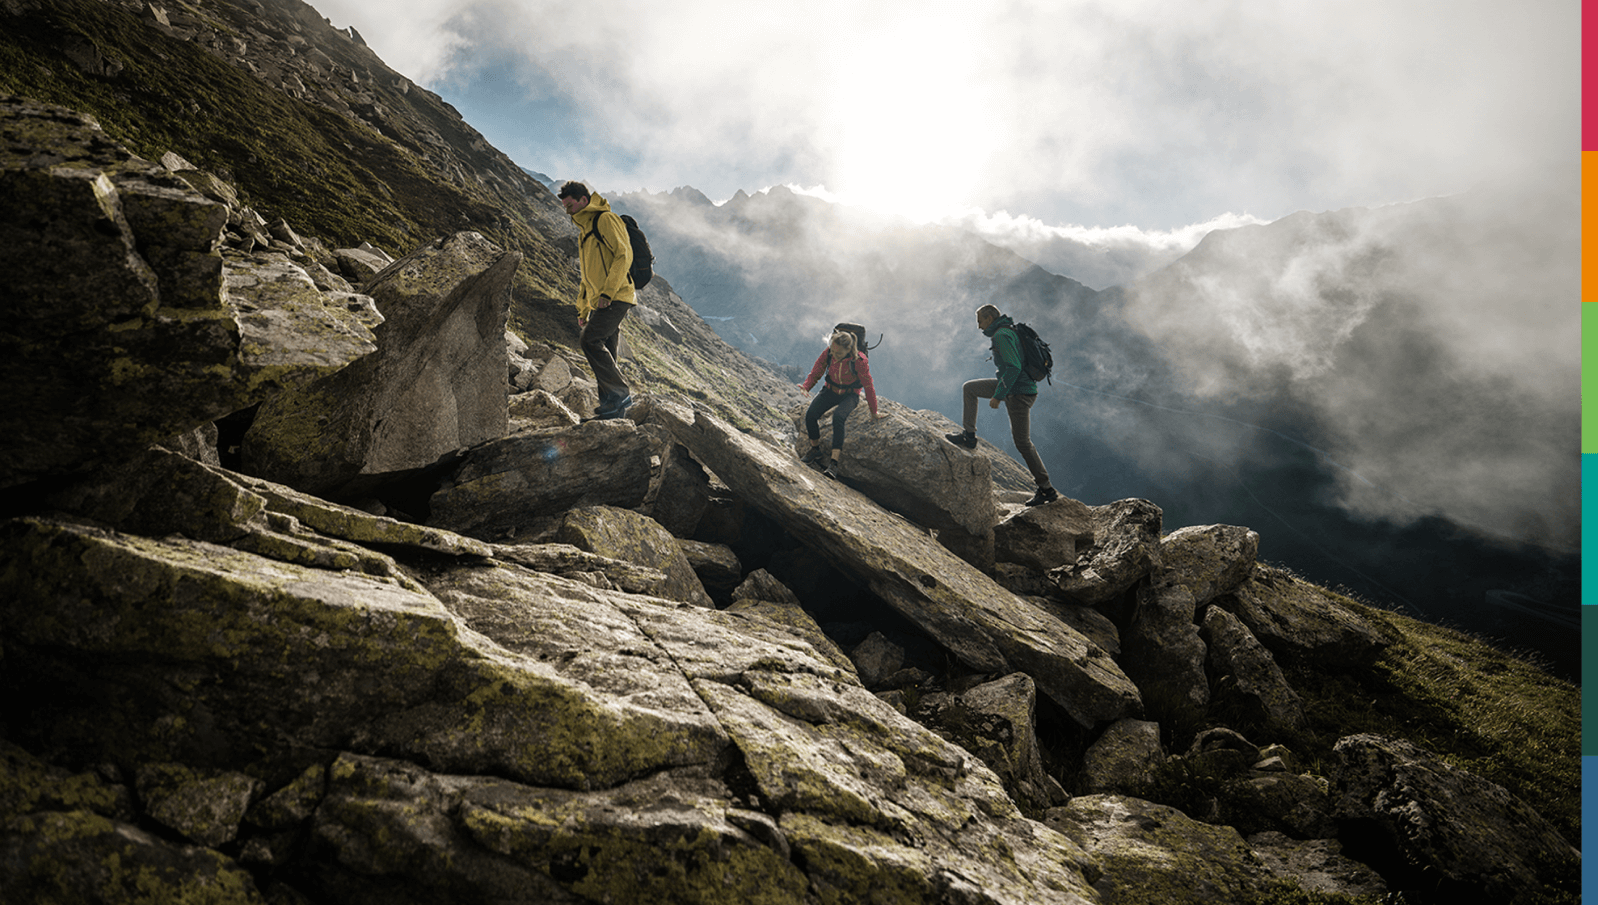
605	258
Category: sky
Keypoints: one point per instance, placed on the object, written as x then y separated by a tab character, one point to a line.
1127	121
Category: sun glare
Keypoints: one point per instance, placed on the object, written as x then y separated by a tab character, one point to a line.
907	131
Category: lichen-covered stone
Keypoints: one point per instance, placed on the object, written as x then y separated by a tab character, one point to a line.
206	806
503	485
904	464
570	562
1122	758
204	654
996	722
1318	865
1044	537
1152	853
1164	655
28	785
1474	838
763	596
1246	672
1208	560
121	330
436	382
77	856
293	804
628	536
1300	621
1125	548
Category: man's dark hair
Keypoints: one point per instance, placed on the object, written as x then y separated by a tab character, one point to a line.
573	190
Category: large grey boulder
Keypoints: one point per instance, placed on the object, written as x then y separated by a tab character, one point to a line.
628	536
1246	672
762	596
996	722
209	656
436	384
1317	865
1122	759
862	798
1208	560
958	606
1125	548
1300	621
1152	853
1475	840
1045	537
1164	654
162	493
906	466
505	485
123	323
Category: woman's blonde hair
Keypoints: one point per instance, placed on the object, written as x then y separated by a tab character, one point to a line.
848	340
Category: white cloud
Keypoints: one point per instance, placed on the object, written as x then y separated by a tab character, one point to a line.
1083	111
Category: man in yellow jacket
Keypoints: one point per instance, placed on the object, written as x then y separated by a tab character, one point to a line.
605	292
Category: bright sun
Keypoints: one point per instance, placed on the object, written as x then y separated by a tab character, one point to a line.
907	126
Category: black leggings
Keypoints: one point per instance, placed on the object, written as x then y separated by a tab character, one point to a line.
826	399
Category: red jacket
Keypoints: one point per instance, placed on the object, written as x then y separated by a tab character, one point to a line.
836	379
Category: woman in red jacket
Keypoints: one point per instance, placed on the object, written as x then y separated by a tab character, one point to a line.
847	373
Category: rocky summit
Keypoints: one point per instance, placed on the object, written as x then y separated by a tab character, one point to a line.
318	586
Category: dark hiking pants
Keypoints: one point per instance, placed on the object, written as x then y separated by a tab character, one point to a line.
1020	408
826	399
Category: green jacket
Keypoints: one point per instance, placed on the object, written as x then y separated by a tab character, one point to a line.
604	258
1007	358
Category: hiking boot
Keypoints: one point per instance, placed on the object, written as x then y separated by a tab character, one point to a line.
615	408
814	456
1044	495
968	439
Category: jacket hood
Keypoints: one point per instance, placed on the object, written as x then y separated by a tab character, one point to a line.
596	206
1002	320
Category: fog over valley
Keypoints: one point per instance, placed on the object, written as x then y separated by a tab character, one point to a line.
1306	268
1388	395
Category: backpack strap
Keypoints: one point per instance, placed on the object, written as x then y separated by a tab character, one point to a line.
594	231
857	384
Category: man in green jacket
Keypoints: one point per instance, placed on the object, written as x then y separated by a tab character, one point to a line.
1018	392
605	291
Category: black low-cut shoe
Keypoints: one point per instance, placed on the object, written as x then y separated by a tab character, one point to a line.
814	456
1044	495
833	471
967	439
616	409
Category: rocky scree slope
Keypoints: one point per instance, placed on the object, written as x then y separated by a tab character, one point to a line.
532	658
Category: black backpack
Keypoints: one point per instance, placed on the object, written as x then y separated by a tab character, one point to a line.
1036	359
859	336
643	269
